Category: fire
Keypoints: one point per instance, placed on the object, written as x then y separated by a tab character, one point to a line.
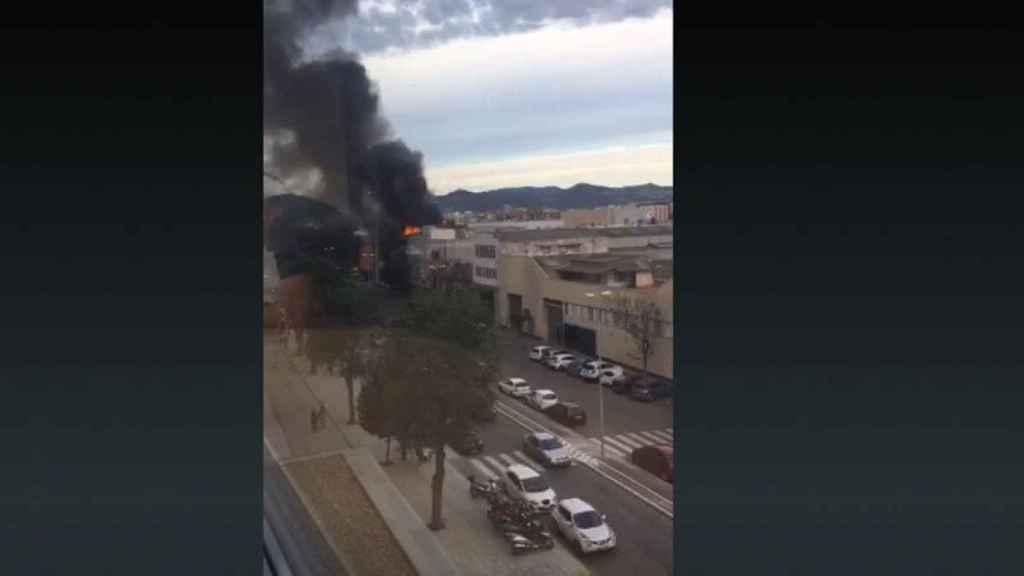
411	231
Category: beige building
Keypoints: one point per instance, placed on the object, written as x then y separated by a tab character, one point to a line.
552	285
586	218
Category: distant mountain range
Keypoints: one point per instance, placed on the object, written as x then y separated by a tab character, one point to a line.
578	196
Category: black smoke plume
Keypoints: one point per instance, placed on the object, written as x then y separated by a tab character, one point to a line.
323	116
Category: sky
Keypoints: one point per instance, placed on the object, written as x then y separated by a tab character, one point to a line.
521	92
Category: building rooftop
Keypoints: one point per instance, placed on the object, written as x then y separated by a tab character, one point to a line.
658	262
566	233
594	263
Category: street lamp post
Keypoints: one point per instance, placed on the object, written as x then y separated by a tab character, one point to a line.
600	387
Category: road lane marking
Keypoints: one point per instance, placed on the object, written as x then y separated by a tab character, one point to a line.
484	470
621	447
650	437
624	439
609	448
638	438
507	459
664	436
519	454
494	463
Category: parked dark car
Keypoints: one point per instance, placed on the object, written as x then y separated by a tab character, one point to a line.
656	459
622	385
468	443
568	413
650	389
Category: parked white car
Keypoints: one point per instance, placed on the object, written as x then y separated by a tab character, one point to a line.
543	399
583	526
537	352
561	361
516	387
594	370
525	483
609	377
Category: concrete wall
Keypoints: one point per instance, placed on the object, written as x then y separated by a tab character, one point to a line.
637	241
523	276
584	218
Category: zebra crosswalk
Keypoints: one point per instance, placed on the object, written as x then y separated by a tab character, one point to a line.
616	446
622	445
494	466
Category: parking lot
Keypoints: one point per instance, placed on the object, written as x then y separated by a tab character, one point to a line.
622	414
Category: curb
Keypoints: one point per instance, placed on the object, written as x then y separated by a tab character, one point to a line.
415	538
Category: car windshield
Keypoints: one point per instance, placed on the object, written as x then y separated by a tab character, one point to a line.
550	444
574	410
588	519
534	484
548	396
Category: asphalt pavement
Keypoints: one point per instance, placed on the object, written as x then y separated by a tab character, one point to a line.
621	413
644	535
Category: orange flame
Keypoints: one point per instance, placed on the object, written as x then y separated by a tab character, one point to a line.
411	231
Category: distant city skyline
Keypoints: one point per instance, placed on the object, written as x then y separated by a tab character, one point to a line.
563	101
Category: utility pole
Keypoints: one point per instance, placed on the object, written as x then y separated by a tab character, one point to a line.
600	387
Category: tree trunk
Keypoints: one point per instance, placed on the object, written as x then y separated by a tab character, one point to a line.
387	451
351	385
437	487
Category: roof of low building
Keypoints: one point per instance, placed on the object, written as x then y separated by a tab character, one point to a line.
567	233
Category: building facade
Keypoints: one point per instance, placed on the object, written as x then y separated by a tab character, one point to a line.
586	218
572	305
550	284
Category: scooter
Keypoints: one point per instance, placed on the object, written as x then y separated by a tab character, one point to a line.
521	544
478	488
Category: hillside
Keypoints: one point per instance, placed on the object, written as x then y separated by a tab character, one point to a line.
578	196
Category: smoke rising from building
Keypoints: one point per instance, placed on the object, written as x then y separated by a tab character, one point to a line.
322	116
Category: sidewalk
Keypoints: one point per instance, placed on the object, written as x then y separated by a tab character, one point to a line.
329	488
469	541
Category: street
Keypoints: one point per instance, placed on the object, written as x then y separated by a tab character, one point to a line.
644	534
623	416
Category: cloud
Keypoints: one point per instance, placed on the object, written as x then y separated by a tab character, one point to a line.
391	24
556	88
612	166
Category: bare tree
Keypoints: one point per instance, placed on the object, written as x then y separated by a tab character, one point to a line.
641	320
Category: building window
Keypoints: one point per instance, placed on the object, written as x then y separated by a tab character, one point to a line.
483	272
486	251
